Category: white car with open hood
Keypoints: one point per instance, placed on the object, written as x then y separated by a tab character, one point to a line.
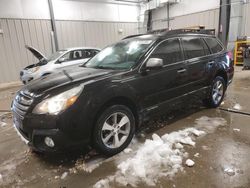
57	61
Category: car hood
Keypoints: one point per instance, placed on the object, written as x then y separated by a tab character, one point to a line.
35	52
65	77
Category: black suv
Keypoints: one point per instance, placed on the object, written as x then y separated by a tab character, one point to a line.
103	102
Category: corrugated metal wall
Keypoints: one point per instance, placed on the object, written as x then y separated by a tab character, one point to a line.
209	18
18	32
94	34
245	31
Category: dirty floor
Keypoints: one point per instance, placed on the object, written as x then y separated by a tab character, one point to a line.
221	157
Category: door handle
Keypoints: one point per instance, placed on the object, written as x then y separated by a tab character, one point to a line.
211	63
182	70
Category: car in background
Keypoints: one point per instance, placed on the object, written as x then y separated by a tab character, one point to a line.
57	61
103	102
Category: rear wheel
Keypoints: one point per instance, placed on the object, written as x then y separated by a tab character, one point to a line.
114	130
216	93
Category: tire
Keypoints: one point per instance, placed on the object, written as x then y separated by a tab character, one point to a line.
216	93
109	128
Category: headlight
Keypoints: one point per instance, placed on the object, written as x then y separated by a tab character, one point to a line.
58	103
34	69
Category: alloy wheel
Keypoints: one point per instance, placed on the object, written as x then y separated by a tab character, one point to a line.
217	92
115	130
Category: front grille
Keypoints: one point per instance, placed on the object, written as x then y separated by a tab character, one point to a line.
21	103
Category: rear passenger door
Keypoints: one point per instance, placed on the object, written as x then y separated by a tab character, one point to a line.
197	59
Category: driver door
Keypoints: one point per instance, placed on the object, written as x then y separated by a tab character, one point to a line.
164	84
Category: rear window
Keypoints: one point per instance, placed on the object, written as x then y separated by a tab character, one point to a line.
214	45
194	47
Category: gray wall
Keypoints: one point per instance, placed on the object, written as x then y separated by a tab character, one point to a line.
209	18
17	33
245	31
37	33
94	34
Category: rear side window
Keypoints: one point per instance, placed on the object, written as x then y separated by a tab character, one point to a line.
169	51
214	45
194	47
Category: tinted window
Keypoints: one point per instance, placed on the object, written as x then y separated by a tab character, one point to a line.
169	51
214	45
194	47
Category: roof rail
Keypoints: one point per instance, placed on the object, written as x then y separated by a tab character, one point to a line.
131	36
198	31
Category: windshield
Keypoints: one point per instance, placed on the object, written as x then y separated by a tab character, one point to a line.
122	55
55	55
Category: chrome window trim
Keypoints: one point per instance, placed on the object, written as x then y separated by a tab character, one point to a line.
145	60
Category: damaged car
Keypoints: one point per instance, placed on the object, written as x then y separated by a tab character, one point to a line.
103	102
59	60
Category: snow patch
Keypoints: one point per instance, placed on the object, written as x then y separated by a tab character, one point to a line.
160	156
2	124
196	155
229	171
189	163
88	167
104	183
237	130
237	107
208	124
128	150
64	175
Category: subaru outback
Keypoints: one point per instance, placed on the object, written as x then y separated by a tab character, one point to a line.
104	101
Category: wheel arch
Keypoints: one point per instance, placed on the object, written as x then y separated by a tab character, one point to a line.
120	100
223	74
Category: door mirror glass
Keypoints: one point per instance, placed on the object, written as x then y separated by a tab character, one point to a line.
154	63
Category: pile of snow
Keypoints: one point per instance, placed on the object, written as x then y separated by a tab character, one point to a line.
237	107
160	156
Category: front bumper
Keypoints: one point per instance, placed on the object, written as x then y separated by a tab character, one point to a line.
35	138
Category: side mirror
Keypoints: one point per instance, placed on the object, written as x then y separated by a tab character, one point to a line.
154	63
61	60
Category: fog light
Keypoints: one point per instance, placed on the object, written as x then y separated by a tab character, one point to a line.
49	142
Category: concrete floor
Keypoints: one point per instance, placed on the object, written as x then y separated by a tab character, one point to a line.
228	147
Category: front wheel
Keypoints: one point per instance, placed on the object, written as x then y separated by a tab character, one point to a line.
216	93
114	130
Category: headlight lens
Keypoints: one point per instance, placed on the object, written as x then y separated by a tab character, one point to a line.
58	103
34	69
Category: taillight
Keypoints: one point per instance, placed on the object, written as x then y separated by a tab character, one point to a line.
230	55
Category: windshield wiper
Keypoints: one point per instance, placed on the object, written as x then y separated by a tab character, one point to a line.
103	67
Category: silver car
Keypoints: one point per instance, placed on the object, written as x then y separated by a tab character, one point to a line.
58	60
